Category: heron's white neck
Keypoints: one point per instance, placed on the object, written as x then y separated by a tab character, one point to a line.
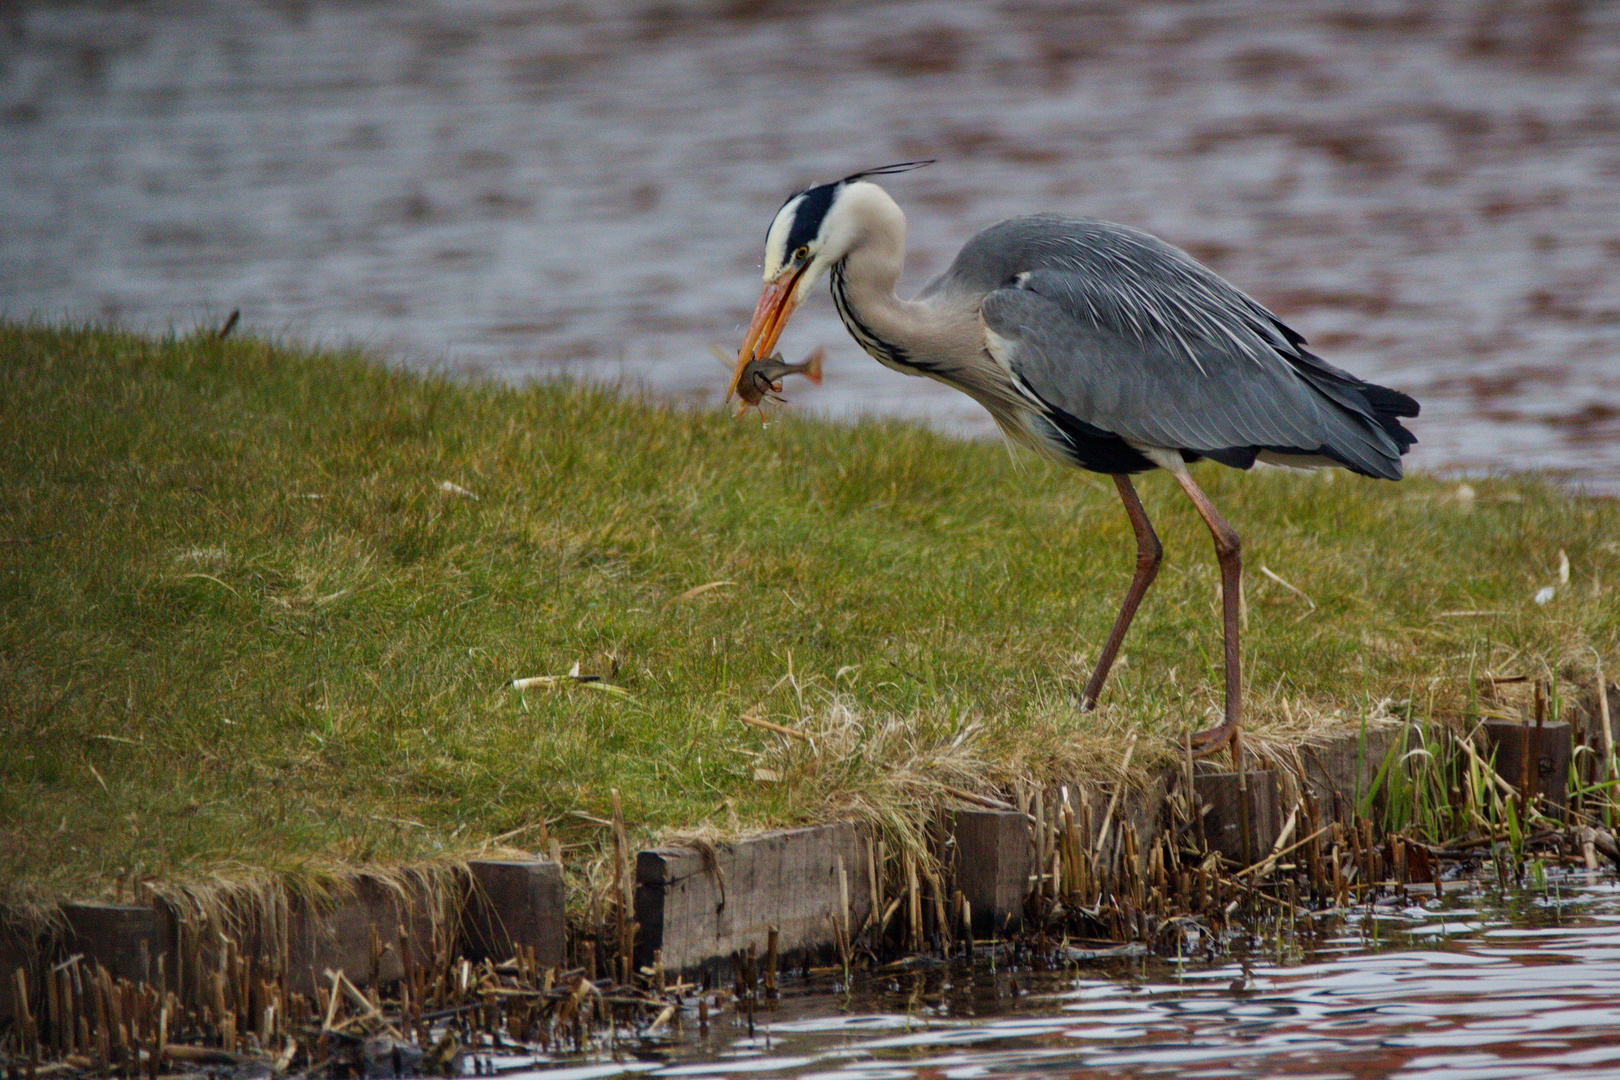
871	231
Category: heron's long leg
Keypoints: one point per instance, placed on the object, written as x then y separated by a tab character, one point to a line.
1229	552
1149	554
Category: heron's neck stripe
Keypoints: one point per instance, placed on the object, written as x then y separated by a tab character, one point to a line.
880	350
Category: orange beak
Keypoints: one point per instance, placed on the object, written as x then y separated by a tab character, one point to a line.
776	304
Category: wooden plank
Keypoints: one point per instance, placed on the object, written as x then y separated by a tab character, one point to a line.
1549	753
1223	824
1339	773
992	858
700	910
123	938
514	903
337	933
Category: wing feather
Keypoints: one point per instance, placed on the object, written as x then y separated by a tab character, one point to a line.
1133	337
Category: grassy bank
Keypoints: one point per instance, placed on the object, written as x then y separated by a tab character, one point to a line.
262	609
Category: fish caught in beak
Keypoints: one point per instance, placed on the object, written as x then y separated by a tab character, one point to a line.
761	378
776	304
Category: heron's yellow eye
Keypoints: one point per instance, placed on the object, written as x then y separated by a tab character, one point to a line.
802	254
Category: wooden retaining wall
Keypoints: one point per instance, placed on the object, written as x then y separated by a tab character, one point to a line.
361	930
700	906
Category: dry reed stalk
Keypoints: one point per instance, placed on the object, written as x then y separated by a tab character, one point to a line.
333	1000
1085	818
620	878
888	913
843	897
874	884
1245	828
983	800
913	905
1278	852
942	925
1529	790
1134	857
1041	856
53	1013
1374	872
1119	787
1610	767
410	994
794	733
1071	852
882	866
160	1041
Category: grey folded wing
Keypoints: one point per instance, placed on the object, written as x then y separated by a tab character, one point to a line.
1178	359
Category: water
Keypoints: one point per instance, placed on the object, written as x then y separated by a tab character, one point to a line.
1427	190
1472	986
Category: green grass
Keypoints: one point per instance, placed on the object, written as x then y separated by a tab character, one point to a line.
243	626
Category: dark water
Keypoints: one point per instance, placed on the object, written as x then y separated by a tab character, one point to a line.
1472	986
1430	191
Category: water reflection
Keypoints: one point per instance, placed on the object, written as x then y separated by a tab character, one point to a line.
1426	190
1473	986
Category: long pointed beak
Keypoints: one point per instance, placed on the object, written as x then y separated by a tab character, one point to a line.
776	304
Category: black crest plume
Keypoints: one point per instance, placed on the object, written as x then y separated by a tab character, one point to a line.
887	170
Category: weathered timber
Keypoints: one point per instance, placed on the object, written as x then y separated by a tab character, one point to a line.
1548	748
1224	820
123	938
305	936
337	934
703	906
1340	773
512	903
992	858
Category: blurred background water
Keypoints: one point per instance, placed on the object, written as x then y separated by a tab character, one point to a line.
1429	191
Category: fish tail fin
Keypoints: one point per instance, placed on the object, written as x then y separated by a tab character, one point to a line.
813	372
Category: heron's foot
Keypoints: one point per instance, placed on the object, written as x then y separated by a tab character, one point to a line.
1207	742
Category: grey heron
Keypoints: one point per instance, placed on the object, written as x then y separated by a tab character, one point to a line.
1096	345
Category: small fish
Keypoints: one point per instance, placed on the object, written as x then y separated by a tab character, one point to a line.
761	377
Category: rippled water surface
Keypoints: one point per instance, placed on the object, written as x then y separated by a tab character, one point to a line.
1465	987
1430	191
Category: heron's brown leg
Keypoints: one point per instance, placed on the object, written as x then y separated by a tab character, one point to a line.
1229	552
1149	554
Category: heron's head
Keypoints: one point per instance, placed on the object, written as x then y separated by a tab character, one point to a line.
812	231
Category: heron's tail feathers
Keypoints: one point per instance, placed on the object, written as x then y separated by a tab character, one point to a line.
1373	403
1389	402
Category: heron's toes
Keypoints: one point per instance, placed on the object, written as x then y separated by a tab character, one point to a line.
1207	742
